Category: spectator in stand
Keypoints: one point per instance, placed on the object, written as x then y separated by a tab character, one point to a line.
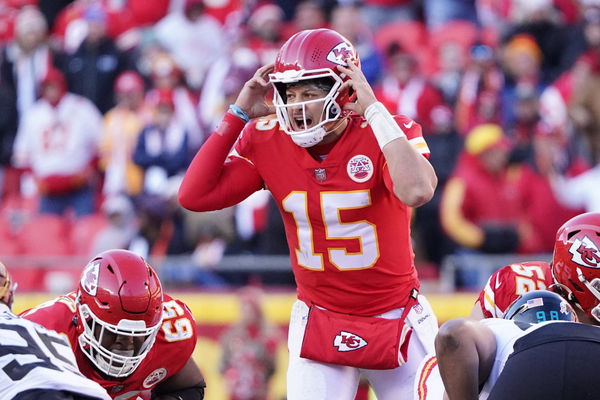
543	22
308	14
248	350
478	99
92	69
584	107
522	60
540	204
120	129
58	141
162	149
381	12
122	225
480	205
26	59
404	90
349	22
265	32
165	74
194	40
8	131
440	12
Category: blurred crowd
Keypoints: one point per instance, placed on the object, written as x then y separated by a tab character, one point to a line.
103	104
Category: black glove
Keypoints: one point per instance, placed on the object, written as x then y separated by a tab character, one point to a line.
499	239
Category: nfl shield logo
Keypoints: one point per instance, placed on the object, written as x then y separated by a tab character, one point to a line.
320	174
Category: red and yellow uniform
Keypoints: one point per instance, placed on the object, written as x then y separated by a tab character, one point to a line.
172	348
348	234
508	283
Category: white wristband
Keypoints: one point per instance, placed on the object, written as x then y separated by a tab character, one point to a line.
383	124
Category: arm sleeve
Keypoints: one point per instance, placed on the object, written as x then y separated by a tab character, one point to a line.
210	182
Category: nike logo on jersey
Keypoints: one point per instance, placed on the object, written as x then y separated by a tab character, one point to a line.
498	282
409	125
346	341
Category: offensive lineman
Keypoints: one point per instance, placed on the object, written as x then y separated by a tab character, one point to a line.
344	174
127	335
36	362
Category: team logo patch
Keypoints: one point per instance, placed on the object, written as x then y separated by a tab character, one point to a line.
346	341
89	278
585	253
340	53
320	174
155	376
360	168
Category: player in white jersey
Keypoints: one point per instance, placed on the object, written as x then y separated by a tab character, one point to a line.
472	354
37	363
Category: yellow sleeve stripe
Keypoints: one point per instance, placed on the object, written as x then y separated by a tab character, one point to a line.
420	145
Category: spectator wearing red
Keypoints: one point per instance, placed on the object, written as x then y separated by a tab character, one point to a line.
248	350
403	90
478	97
480	206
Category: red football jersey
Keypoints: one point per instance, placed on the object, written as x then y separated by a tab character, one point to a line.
173	347
508	283
348	234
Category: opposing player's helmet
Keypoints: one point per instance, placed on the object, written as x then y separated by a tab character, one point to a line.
312	54
539	306
119	296
576	262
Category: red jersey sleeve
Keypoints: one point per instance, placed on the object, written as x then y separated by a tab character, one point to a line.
414	134
211	182
508	283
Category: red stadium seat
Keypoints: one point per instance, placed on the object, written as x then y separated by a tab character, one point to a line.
463	33
45	235
411	35
84	231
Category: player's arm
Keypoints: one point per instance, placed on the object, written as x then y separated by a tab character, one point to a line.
210	183
476	312
413	177
465	351
187	384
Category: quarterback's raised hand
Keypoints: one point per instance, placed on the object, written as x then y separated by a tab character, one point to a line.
252	96
362	90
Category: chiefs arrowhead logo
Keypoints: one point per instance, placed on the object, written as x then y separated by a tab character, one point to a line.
346	341
585	253
89	278
340	53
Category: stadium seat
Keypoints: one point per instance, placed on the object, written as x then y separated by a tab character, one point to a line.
411	35
463	33
45	235
83	232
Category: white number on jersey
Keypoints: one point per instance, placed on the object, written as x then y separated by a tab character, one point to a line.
296	203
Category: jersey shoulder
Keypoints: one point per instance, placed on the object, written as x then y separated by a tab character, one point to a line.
56	314
178	329
508	283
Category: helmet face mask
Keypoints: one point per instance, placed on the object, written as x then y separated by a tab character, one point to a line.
576	262
307	56
119	310
98	336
